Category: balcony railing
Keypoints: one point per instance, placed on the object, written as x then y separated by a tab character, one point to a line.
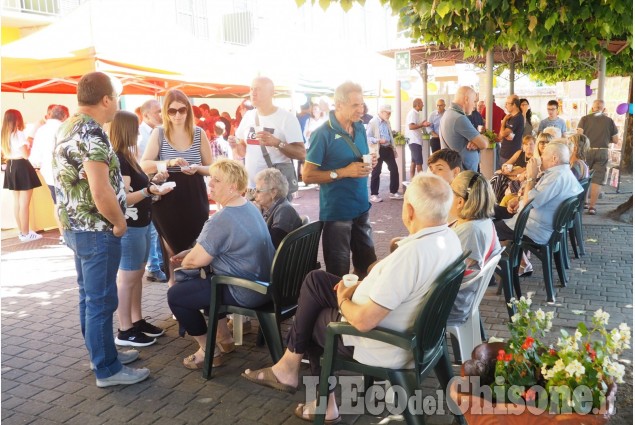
40	7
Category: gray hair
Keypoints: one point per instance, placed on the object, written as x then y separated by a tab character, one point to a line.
560	150
272	178
431	197
343	90
148	104
554	131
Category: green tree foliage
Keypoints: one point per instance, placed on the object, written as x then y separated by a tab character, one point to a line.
543	29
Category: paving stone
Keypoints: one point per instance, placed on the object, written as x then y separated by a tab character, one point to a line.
50	369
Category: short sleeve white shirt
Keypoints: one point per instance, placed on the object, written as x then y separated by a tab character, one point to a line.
415	136
399	282
286	128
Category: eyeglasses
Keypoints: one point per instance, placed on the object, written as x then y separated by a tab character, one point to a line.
172	112
440	106
262	190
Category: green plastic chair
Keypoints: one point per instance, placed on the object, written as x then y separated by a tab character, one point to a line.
426	341
555	246
295	258
510	260
576	233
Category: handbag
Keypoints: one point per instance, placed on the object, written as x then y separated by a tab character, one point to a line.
286	168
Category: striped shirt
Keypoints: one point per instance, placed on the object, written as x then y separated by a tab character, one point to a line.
192	154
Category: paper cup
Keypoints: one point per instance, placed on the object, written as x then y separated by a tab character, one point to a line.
258	129
508	167
162	166
367	159
350	279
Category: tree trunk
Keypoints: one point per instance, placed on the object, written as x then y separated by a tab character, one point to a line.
623	212
627	148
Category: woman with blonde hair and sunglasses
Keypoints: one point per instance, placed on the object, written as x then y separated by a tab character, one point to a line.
470	218
133	330
20	176
184	151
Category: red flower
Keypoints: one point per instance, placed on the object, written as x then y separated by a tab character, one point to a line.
501	355
593	355
552	352
508	357
529	341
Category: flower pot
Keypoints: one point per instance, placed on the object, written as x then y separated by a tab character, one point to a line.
479	411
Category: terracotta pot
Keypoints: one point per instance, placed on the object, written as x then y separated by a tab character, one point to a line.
478	411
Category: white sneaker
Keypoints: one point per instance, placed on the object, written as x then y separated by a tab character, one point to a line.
125	376
31	236
375	199
396	196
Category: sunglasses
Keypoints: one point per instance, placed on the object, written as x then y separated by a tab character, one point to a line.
172	112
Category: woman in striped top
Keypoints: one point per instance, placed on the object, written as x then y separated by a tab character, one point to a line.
184	149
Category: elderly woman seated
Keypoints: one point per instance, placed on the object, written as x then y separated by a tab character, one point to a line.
235	242
271	196
579	146
390	296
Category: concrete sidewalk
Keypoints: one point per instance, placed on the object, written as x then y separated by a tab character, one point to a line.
45	366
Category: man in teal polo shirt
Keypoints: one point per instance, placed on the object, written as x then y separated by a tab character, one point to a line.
334	161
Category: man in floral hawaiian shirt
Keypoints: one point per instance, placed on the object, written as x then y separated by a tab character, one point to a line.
90	204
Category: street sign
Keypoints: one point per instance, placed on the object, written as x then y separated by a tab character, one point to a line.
402	64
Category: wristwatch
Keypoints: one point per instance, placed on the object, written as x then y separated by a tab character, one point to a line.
281	145
333	175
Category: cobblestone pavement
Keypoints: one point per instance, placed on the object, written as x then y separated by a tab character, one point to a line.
45	368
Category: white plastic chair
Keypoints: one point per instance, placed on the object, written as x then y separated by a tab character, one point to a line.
468	333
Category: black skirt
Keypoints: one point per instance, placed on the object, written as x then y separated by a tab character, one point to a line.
180	215
20	175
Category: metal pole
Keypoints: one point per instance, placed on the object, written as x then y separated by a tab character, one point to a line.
489	101
601	76
424	77
398	114
512	76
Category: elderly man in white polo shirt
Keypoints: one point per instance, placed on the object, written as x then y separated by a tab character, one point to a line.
381	141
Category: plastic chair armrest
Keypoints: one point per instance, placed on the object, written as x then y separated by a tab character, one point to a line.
260	287
389	336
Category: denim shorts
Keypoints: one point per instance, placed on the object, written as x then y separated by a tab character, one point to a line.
135	246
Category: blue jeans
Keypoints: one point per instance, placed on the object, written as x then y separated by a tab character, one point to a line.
135	245
97	256
341	238
155	257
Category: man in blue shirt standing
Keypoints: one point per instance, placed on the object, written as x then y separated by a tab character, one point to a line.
380	137
334	161
458	133
433	128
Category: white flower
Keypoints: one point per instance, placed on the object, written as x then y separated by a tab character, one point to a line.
614	369
575	368
602	317
550	315
577	335
558	366
540	315
515	318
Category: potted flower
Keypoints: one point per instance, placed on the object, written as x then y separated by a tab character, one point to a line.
527	381
492	137
399	138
